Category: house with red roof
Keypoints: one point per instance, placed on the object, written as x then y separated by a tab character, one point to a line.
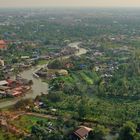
3	45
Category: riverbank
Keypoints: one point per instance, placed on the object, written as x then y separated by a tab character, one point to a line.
38	86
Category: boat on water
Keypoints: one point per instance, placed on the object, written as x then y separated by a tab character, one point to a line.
35	75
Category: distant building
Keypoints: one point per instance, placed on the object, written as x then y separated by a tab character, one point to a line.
81	133
3	83
68	65
3	45
25	57
2	63
62	72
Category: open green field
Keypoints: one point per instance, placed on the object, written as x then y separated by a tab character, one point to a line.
42	62
25	122
85	76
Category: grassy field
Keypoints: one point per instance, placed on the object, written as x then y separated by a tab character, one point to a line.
1	135
7	136
87	77
25	122
42	62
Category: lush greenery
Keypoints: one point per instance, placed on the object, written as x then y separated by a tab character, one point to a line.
102	89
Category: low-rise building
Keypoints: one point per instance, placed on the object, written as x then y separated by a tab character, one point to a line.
3	83
81	133
3	45
1	62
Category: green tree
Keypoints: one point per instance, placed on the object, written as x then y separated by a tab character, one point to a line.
128	131
98	133
56	64
83	108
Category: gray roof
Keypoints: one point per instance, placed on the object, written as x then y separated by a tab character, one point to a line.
4	82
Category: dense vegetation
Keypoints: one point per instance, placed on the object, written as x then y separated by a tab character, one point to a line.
102	89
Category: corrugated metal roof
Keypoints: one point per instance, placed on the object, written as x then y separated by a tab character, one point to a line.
4	82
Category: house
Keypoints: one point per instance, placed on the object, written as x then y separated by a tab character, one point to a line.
3	83
81	133
4	88
11	83
3	45
25	57
3	123
45	57
1	62
62	72
68	65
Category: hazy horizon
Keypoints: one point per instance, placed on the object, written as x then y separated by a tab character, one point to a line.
68	3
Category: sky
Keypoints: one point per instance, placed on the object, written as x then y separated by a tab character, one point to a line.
69	3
